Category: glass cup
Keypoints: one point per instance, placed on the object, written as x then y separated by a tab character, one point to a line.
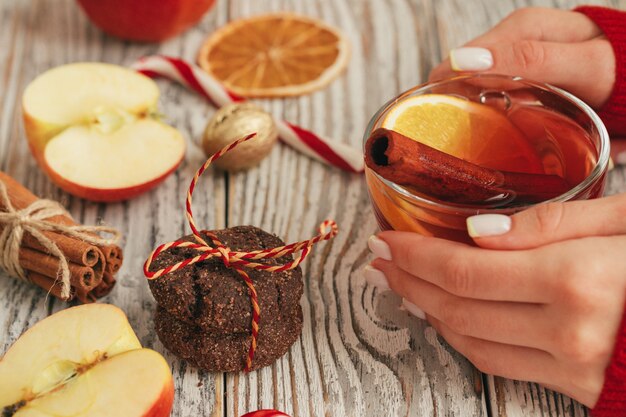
396	208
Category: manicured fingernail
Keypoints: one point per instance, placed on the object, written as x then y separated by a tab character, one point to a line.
379	247
413	309
471	59
375	277
620	159
483	225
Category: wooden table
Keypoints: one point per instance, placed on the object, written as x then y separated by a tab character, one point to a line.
358	355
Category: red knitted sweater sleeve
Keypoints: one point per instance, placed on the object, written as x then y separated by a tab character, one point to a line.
612	401
613	24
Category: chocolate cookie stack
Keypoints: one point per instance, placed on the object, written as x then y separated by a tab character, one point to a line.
204	314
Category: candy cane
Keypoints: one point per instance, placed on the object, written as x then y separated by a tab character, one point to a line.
307	142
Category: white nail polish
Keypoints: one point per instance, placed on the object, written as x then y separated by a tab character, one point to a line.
483	225
413	309
375	277
471	59
379	247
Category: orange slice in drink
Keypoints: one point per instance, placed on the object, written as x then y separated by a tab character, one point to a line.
275	55
471	131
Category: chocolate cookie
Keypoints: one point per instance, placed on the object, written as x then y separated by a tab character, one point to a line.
228	352
215	298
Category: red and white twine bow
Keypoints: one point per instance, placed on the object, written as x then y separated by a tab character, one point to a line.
235	259
307	142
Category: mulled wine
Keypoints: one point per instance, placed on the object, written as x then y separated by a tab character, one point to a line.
441	152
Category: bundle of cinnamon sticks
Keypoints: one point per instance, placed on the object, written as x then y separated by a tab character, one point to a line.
92	267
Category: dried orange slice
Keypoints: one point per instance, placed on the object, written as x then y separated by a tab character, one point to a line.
275	55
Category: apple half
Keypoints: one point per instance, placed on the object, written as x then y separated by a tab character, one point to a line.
95	130
84	361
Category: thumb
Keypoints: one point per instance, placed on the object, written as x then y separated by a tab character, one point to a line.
586	69
549	223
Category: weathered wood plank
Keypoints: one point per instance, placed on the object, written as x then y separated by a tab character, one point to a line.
358	355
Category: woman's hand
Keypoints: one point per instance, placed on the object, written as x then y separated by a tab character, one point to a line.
558	47
540	300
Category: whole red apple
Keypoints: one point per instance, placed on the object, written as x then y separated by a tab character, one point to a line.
145	20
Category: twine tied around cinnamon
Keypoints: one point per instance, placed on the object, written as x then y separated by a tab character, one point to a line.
235	259
34	220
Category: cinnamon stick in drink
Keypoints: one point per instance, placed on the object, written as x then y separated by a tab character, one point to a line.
426	170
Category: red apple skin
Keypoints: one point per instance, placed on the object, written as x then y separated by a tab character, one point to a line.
105	195
265	413
145	20
163	407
